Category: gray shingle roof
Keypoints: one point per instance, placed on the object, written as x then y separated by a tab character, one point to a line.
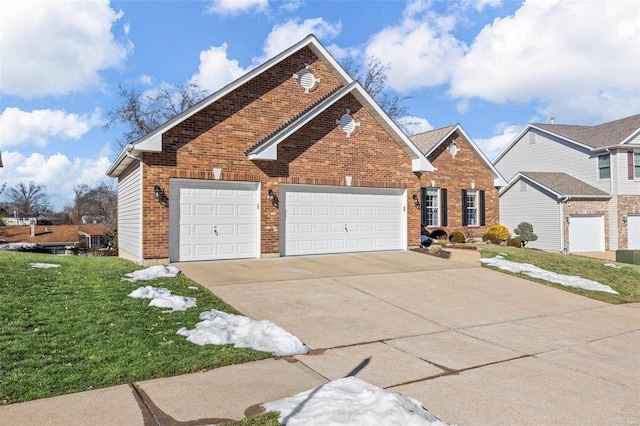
565	185
599	136
427	140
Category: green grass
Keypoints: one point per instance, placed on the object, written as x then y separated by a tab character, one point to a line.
74	328
625	281
264	419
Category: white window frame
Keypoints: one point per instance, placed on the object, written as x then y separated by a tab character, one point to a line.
473	201
602	168
636	164
433	207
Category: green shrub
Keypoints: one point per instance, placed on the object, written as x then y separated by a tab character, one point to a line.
457	237
525	233
501	231
514	242
491	237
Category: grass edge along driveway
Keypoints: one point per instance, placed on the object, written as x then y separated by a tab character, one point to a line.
625	280
74	328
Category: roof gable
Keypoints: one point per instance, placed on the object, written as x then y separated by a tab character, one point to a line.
594	138
429	141
561	185
265	149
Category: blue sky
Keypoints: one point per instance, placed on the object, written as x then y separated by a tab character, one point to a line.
493	66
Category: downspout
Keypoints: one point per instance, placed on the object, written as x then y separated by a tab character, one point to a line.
563	244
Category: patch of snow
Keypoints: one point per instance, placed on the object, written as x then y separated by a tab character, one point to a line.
44	265
613	265
221	328
535	272
152	272
16	246
162	298
351	401
192	287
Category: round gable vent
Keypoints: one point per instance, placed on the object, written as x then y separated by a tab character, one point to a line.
306	79
347	123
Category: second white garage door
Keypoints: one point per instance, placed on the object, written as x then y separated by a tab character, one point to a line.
586	233
212	220
633	232
318	219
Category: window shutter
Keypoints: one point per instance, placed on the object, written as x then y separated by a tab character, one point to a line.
423	206
443	206
630	174
481	207
464	207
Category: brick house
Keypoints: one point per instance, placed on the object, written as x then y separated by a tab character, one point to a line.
579	186
292	158
462	194
57	239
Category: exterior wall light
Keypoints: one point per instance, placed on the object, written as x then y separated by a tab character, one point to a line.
157	192
624	218
273	197
415	200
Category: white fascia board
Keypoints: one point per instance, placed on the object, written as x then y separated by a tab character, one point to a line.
270	153
528	179
422	165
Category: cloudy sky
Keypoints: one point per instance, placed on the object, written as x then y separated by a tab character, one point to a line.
493	66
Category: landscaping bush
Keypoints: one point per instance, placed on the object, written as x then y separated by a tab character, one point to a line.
457	237
501	231
439	234
525	233
491	237
514	242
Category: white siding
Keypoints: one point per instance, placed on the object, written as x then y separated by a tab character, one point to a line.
130	212
549	154
625	186
536	207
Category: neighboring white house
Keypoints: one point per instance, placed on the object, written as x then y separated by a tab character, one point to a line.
579	186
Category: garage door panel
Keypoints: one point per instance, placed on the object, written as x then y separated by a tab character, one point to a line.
212	220
345	219
633	232
586	233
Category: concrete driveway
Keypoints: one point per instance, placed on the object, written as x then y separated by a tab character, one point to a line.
473	345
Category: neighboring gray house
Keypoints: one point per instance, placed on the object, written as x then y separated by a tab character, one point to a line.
579	186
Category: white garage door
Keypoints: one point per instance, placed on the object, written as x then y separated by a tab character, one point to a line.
341	219
633	232
212	220
586	233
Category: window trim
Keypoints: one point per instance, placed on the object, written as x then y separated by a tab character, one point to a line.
636	164
426	207
606	167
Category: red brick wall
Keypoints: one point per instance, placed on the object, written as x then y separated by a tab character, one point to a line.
319	153
458	173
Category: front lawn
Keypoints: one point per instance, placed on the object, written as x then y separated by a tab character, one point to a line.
74	328
625	280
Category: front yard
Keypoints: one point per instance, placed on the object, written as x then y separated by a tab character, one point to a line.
623	278
74	328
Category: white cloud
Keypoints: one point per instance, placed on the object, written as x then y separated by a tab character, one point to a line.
547	53
230	7
58	172
38	127
216	69
56	47
421	50
415	125
493	145
283	36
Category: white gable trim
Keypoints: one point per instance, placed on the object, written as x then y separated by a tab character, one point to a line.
152	142
560	197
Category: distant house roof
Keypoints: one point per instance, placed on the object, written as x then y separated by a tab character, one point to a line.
561	185
593	138
428	141
600	136
53	234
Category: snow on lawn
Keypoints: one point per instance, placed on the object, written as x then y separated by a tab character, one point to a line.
162	298
535	272
44	265
153	272
351	401
221	328
17	246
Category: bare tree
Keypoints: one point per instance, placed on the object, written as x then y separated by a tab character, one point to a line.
375	81
97	202
140	112
28	198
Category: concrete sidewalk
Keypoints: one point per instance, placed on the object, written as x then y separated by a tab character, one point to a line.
475	346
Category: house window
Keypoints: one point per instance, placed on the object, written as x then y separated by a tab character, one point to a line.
473	208
636	164
604	166
430	207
